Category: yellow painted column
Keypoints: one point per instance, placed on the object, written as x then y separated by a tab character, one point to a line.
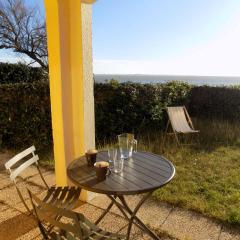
65	50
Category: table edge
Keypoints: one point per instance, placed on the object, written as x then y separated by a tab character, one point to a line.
124	192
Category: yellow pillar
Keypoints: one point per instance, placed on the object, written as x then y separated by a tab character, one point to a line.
64	33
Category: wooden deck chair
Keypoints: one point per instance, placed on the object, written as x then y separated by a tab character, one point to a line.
180	121
65	197
70	226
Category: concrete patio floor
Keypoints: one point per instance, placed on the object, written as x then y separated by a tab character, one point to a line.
168	221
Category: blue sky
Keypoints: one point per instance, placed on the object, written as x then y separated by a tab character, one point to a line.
185	37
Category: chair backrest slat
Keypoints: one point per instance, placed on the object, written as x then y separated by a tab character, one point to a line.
20	163
23	166
19	157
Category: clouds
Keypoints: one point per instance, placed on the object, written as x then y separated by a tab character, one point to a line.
11	57
218	57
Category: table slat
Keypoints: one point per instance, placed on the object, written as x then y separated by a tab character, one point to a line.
143	173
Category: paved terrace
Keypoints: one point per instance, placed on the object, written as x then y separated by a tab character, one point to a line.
168	221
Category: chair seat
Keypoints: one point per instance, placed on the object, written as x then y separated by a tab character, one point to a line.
66	224
64	197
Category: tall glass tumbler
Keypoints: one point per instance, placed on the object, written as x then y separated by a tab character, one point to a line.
118	164
112	154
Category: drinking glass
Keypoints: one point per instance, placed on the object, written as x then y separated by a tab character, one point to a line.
118	164
112	154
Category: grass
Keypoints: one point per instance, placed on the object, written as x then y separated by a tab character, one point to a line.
207	175
206	181
46	157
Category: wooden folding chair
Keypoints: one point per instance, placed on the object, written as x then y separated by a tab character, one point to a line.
70	226
65	197
180	122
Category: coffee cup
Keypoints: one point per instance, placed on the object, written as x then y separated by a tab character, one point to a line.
101	169
91	156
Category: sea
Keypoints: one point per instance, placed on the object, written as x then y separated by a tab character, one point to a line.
151	79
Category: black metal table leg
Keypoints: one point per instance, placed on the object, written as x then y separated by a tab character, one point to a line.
130	215
105	212
120	207
140	223
134	217
124	211
117	186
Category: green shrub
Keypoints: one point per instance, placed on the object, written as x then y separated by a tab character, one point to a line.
215	102
25	115
16	73
131	107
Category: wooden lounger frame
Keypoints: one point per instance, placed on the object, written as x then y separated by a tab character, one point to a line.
171	122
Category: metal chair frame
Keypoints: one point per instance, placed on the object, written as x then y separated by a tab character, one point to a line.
65	197
73	225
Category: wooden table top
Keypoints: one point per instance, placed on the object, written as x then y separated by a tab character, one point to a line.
143	173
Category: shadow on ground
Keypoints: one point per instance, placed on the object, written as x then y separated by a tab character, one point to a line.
13	228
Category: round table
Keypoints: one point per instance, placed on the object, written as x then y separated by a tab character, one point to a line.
143	173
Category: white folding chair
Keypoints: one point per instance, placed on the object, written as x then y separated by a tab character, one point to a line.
65	197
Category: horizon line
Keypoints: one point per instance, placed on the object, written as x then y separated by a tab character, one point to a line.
177	75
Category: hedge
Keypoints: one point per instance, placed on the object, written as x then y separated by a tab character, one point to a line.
25	116
17	73
215	102
130	107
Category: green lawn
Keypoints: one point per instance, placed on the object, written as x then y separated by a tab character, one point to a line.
207	174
